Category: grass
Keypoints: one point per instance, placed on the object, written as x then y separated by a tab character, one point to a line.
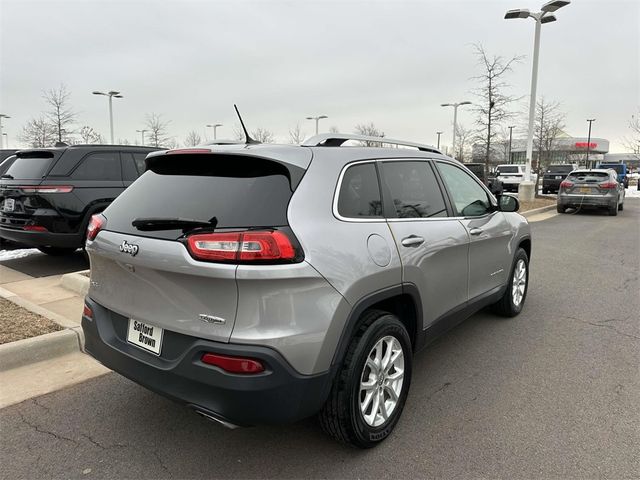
17	323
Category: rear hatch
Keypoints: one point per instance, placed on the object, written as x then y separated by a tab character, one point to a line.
22	192
169	282
588	183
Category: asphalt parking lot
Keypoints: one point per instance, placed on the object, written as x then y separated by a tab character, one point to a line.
552	393
36	264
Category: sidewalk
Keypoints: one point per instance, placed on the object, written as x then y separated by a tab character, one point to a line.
47	297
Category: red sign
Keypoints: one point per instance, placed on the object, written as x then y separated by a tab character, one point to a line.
585	145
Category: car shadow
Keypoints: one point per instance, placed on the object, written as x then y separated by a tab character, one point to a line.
40	265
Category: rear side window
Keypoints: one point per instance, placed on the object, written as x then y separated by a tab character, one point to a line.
30	166
99	166
238	192
6	163
139	158
414	190
129	170
359	195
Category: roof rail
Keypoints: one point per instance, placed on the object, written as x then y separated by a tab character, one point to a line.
337	139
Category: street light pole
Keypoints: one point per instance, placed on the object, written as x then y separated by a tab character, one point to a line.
455	122
526	188
6	140
215	128
317	119
590	120
110	94
142	133
510	132
439	133
2	115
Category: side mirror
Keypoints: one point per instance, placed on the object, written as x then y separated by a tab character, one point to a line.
507	203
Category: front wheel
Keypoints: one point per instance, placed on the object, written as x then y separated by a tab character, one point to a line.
370	389
513	299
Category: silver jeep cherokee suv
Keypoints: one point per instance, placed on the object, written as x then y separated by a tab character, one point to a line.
265	284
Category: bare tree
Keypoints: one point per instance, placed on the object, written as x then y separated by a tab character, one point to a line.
157	127
333	129
238	133
632	143
123	141
463	143
60	114
38	132
296	136
492	102
89	135
370	130
263	135
193	138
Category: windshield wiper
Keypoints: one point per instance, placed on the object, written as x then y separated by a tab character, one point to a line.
155	223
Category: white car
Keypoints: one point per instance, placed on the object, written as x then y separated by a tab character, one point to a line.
512	175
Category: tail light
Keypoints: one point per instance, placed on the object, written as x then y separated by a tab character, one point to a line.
87	312
608	185
566	184
253	246
233	364
34	228
97	223
45	188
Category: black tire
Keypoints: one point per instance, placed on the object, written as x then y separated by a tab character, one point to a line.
621	207
560	208
506	306
613	211
57	251
341	415
545	191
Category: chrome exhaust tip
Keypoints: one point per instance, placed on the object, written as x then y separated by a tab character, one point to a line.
211	417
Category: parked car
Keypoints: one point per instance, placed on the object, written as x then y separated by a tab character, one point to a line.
591	188
490	181
6	162
553	176
621	171
511	175
265	283
47	195
5	153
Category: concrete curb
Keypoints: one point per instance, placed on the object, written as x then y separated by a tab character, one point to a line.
32	307
536	211
76	282
38	349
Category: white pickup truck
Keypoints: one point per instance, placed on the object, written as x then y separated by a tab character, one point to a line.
511	176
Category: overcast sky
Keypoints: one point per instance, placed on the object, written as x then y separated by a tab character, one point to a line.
388	62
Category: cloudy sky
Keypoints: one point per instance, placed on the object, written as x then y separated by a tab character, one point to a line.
389	62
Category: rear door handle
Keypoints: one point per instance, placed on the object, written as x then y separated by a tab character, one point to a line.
412	241
475	231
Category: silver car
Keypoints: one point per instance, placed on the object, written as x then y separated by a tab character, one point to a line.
591	188
268	283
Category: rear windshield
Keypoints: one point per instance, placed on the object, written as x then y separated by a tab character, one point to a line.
513	169
238	192
559	168
588	177
6	163
30	166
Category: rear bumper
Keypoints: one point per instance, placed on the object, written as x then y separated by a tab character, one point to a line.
278	395
42	239
587	200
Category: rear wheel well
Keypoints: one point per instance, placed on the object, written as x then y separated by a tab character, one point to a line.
403	307
526	246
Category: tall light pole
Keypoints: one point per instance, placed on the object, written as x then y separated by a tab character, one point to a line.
142	132
317	119
455	122
545	15
510	132
2	115
215	128
590	120
110	94
439	133
6	140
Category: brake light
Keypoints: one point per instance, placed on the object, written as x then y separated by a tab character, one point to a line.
566	184
45	188
189	150
96	224
87	312
233	364
608	185
34	228
252	246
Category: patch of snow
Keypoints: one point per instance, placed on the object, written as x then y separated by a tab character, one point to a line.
632	192
20	253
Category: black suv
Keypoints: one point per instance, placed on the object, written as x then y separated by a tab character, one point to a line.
491	182
553	177
48	195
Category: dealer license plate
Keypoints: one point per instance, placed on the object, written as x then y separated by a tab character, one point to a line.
9	205
145	336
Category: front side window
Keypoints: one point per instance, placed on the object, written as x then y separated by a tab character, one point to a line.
359	195
99	166
469	198
414	190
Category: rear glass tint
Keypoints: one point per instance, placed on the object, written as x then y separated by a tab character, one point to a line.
6	163
559	168
414	190
99	166
30	166
239	192
508	169
588	177
359	195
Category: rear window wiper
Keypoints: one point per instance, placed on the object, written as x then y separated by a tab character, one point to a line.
159	223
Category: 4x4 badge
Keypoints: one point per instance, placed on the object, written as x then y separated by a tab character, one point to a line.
129	248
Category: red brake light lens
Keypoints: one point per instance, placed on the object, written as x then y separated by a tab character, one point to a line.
233	364
189	150
608	185
87	312
34	228
566	184
45	188
96	224
242	246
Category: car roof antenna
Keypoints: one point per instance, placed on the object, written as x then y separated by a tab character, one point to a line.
248	139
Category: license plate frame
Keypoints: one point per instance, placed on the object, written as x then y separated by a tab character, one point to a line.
584	189
145	336
9	205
